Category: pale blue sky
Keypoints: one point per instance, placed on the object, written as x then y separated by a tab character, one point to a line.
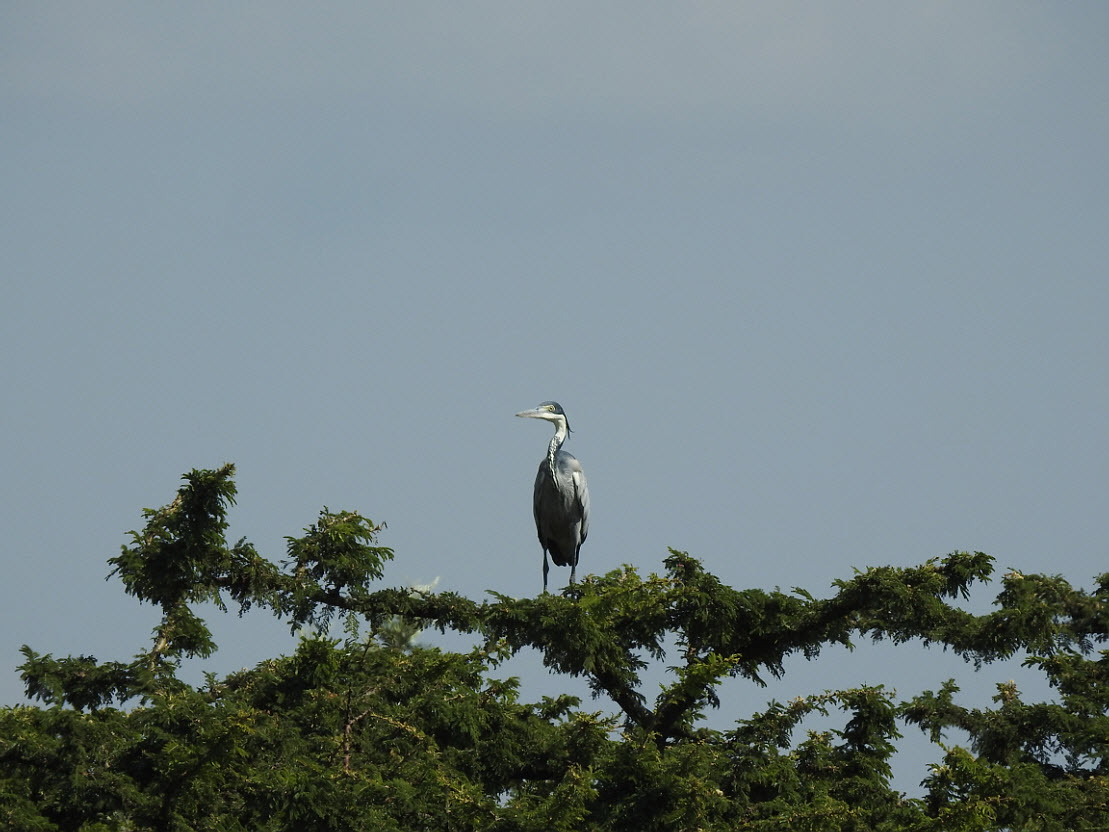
820	287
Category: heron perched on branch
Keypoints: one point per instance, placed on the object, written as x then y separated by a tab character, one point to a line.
561	498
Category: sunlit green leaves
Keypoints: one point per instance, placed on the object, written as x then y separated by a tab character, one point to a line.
371	731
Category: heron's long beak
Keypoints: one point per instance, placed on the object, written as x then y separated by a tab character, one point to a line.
534	413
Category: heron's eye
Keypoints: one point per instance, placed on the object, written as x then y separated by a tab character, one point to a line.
549	407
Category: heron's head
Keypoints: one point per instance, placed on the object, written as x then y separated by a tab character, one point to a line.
550	411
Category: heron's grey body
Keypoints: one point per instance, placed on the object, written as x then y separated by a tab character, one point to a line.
561	498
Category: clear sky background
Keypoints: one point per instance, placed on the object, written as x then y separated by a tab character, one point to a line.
820	286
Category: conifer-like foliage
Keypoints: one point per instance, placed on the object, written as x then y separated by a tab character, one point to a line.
369	731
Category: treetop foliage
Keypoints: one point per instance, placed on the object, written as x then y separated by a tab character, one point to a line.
373	731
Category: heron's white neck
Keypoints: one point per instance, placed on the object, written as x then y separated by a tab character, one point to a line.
556	443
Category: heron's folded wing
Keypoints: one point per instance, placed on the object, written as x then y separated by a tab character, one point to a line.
581	494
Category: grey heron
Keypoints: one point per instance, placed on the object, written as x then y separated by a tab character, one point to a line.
561	498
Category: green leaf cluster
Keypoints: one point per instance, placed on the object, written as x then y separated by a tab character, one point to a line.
372	731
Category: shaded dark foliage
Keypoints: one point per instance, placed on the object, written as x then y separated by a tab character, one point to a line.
370	731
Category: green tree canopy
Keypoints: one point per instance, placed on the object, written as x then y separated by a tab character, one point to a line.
370	731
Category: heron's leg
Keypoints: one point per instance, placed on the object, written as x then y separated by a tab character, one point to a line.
546	569
573	571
